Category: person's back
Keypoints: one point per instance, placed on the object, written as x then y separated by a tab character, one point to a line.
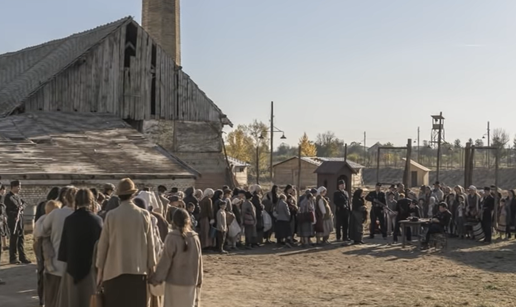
53	227
185	267
180	266
125	242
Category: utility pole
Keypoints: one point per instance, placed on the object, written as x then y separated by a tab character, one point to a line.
488	144
418	147
258	162
272	139
488	135
365	150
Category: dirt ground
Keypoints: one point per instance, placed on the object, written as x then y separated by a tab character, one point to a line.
375	274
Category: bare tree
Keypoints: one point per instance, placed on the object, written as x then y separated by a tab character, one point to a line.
500	138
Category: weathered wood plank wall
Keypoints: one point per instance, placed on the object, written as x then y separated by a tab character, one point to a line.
100	82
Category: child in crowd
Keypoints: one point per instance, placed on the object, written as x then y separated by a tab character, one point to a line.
222	227
193	221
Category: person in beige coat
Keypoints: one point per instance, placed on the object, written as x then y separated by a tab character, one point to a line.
126	254
180	266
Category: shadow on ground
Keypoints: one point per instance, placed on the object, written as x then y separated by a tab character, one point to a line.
498	257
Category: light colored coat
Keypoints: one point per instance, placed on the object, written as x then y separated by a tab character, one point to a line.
177	266
126	244
53	228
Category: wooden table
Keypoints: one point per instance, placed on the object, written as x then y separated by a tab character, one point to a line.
411	224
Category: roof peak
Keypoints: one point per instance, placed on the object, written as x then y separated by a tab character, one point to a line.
30	48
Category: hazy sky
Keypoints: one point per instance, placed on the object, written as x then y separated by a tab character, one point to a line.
346	66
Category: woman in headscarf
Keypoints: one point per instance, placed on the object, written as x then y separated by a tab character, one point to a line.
324	225
198	194
206	219
283	221
155	301
270	201
306	219
258	206
249	220
81	231
358	217
291	194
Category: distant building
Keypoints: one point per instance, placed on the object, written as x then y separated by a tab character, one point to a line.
287	171
239	170
329	173
419	174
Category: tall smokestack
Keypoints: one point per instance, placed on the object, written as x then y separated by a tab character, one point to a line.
161	19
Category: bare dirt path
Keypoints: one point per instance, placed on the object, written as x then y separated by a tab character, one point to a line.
374	274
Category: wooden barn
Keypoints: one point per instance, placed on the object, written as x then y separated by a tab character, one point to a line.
119	70
286	172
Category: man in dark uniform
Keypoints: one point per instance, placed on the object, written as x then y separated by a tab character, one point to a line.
377	199
487	213
341	200
14	207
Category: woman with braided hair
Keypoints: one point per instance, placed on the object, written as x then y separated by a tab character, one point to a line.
180	266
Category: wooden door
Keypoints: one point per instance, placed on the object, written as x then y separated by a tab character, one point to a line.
413	177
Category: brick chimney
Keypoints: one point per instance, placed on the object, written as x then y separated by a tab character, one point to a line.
160	18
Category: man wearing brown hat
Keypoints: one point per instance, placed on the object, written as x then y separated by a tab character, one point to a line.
126	253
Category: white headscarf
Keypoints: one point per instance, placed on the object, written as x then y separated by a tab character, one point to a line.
199	194
208	193
255	188
321	190
472	187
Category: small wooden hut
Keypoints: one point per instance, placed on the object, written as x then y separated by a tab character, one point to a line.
330	172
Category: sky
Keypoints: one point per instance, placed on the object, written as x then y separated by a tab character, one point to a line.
347	66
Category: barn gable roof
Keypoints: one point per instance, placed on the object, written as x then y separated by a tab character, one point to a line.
25	71
77	144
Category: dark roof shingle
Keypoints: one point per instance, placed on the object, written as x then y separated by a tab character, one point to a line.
24	71
83	144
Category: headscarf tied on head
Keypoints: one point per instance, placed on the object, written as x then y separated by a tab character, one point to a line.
256	188
208	193
321	190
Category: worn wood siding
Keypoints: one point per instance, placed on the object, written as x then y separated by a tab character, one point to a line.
99	82
284	173
212	166
197	137
92	84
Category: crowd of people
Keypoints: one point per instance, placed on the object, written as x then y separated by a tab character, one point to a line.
142	248
452	211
